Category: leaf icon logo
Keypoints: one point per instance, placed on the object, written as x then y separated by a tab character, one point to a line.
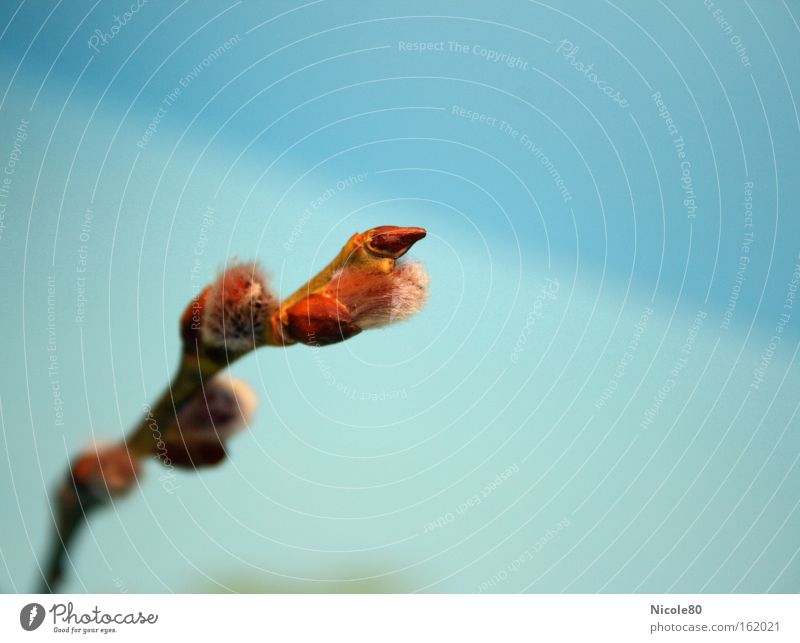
31	616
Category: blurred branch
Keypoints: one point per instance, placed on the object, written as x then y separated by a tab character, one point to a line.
363	287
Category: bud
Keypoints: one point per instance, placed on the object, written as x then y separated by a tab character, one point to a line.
392	241
375	299
222	409
355	299
237	308
319	320
105	471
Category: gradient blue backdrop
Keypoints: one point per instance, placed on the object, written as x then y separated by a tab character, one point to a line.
565	262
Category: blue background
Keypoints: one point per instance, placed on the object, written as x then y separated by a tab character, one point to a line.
358	471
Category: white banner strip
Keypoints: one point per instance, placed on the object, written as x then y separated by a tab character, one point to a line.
388	618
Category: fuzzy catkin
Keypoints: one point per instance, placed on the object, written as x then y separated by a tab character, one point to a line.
376	299
222	408
238	308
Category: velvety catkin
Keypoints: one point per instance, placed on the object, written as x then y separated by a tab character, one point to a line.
238	308
375	299
222	408
106	470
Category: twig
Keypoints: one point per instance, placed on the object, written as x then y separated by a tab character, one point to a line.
305	316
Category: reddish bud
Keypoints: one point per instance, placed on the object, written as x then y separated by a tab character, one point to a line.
192	453
237	308
319	320
104	471
375	299
219	411
392	241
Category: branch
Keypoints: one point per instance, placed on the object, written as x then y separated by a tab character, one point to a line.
363	287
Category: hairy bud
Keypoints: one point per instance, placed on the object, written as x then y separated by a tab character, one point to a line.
356	299
105	470
236	310
319	320
223	408
375	299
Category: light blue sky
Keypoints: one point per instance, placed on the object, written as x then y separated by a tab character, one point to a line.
500	141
